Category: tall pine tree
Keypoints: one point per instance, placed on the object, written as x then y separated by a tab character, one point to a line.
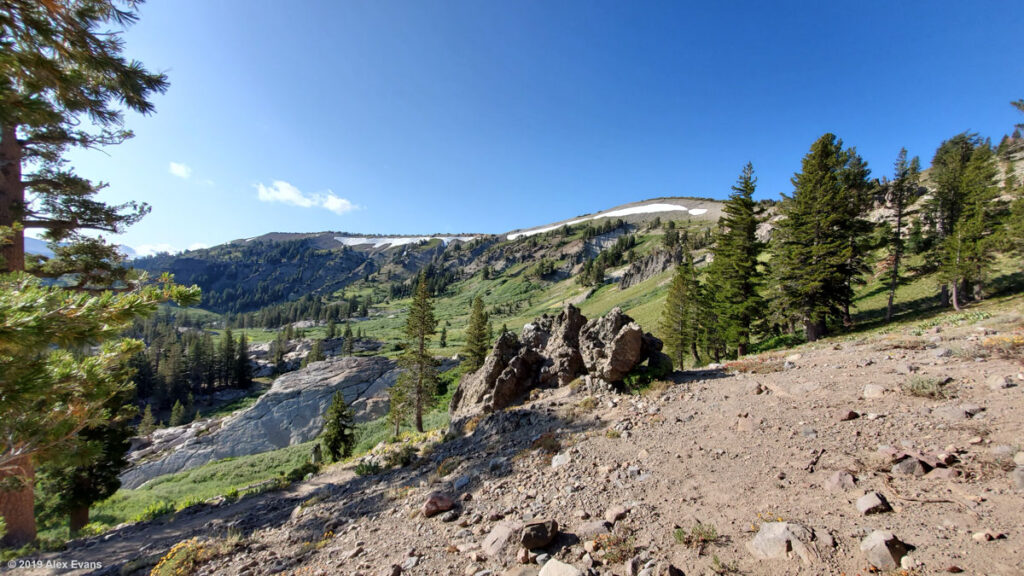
734	275
477	342
816	247
900	193
419	380
680	323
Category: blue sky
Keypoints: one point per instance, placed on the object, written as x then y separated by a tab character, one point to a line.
483	116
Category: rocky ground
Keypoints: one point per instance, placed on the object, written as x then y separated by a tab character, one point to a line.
815	461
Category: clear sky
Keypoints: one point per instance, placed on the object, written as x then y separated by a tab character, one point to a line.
380	116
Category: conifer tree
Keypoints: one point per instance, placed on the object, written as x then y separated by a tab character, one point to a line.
816	248
967	249
178	414
943	209
332	329
443	339
398	407
315	354
900	192
243	367
148	423
419	380
228	358
477	343
348	345
734	272
679	317
339	429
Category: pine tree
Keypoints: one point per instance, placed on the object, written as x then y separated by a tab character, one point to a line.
967	249
348	345
339	429
900	192
66	84
332	329
477	344
944	207
178	414
443	339
419	379
734	272
227	358
398	407
679	317
817	248
243	366
148	423
315	354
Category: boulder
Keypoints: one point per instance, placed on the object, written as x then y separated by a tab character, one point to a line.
873	503
497	540
538	534
554	352
883	550
436	503
556	568
778	540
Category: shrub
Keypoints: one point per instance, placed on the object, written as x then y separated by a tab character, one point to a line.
187	556
617	548
447	466
401	456
155	510
699	536
925	387
367	468
547	442
299	472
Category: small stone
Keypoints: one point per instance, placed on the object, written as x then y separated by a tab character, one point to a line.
461	482
776	540
437	503
873	391
987	536
497	539
910	467
999	382
873	503
883	550
358	550
557	568
615	513
592	530
943	474
847	415
1017	477
538	534
840	480
410	562
543	558
450	516
941	353
590	546
560	460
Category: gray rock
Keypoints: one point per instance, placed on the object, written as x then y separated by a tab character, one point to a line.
291	412
999	382
942	352
497	540
911	467
873	503
592	530
557	568
872	391
538	534
651	265
840	480
559	460
436	503
883	550
777	540
1017	477
615	513
461	482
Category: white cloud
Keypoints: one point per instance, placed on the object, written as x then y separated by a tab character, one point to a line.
151	249
182	171
197	246
337	205
285	193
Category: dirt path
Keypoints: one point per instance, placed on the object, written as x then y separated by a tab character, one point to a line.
106	554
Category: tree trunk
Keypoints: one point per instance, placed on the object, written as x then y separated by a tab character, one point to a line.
944	296
741	349
956	296
18	508
814	329
79	517
12	199
693	350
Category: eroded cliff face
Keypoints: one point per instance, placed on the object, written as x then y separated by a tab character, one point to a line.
291	412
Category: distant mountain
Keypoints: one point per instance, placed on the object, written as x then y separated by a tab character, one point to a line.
37	246
248	274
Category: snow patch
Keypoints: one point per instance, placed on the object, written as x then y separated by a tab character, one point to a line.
642	209
393	241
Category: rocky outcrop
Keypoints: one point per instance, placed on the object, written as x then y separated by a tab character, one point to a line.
552	352
291	412
648	267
